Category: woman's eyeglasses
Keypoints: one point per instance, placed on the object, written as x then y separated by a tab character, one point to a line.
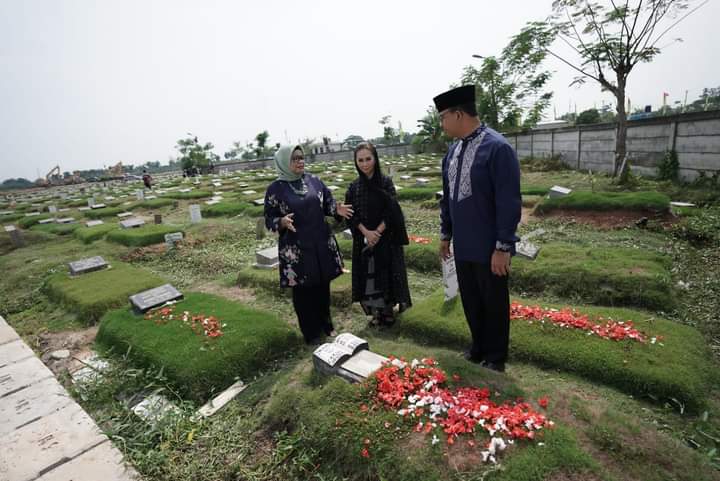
297	158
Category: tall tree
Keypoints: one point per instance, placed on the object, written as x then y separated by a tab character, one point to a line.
509	90
195	154
261	141
431	134
606	40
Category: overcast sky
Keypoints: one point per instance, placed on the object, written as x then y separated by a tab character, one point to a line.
89	83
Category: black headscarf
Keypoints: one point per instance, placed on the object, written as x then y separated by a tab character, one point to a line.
396	220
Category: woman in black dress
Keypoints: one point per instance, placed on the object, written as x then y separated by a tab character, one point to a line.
379	276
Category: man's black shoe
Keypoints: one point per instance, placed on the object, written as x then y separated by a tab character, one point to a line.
494	366
469	357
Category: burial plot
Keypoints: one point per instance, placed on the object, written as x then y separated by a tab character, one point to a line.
158	296
267	258
90	264
93	223
15	236
195	215
349	357
132	223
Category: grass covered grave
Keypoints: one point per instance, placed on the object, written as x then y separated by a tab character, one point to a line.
142	236
605	201
90	295
88	235
675	369
246	341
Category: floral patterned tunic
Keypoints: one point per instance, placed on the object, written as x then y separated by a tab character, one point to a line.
310	256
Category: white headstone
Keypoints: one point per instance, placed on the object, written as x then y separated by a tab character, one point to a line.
558	191
195	215
450	282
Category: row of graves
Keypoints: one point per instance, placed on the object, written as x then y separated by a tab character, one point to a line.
410	381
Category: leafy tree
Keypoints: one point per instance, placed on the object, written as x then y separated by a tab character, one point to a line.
509	90
261	142
605	39
431	135
589	116
195	154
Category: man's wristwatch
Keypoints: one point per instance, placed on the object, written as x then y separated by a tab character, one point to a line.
503	246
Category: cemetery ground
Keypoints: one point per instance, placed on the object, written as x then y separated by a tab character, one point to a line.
644	408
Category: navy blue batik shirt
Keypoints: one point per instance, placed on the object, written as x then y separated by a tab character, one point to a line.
481	202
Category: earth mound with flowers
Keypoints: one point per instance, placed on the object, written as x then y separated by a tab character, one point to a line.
203	343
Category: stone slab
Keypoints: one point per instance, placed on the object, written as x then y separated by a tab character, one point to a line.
146	300
33	449
259	202
133	223
102	463
267	257
219	401
122	215
195	214
558	191
46	221
19	375
362	364
65	220
14	351
31	403
682	204
93	223
347	234
154	408
89	264
98	206
7	333
527	250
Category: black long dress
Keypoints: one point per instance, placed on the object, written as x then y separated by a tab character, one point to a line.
373	201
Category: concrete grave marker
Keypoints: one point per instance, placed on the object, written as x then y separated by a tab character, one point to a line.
682	204
405	177
158	296
558	191
93	223
439	195
347	234
421	181
52	209
267	258
248	192
133	223
140	194
212	202
172	239
15	235
349	357
527	249
195	215
333	188
260	230
450	282
90	264
154	408
122	215
217	403
65	220
46	221
32	214
98	206
259	202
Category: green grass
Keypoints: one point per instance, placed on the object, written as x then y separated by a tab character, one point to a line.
533	190
195	194
325	413
153	203
604	201
90	295
680	370
195	364
8	218
104	212
225	209
269	280
27	222
88	235
57	229
613	276
418	193
142	236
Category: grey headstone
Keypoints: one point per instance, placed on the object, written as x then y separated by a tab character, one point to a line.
558	191
140	195
98	206
52	209
439	195
535	233
32	214
65	220
93	223
421	181
406	177
259	202
195	215
83	209
333	188
682	204
267	258
212	202
158	296
132	223
122	215
347	234
90	264
248	192
46	221
172	239
150	197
